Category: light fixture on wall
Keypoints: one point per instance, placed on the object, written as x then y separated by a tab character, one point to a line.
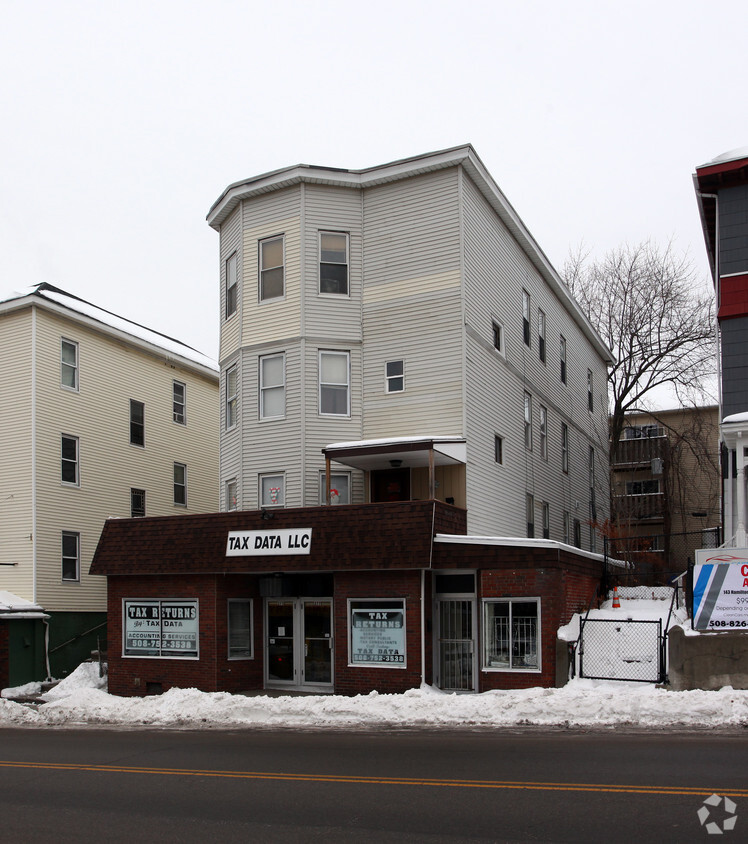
396	464
266	514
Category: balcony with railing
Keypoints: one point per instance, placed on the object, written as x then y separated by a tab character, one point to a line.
639	450
641	506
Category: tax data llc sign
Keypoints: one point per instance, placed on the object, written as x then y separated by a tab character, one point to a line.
267	543
720	589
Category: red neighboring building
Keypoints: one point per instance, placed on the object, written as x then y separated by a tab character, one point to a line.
345	599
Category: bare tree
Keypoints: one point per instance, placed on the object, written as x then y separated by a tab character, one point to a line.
646	304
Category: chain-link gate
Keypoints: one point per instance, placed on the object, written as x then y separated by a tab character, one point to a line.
622	649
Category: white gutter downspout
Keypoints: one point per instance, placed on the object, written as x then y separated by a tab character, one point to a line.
33	454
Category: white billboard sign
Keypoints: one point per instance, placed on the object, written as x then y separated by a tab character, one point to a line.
263	543
720	589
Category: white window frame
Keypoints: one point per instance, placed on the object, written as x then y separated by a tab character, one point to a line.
334	485
281	480
391	380
346	264
365	603
543	425
250	632
231	397
528	420
133	492
497	336
134	403
179	416
180	485
323	353
526	335
76	535
231	482
541	336
564	447
65	366
266	388
487	637
66	461
232	285
169	654
262	270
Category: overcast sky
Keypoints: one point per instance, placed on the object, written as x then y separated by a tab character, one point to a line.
123	122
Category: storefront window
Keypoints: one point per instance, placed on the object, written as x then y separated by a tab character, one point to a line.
377	632
511	634
240	629
166	628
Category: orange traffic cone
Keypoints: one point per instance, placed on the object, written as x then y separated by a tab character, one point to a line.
616	602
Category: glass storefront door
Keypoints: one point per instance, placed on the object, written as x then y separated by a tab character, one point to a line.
299	643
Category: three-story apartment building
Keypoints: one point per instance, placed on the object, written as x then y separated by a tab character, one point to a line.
99	417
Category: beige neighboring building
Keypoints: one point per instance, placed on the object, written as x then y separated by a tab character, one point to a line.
99	417
666	484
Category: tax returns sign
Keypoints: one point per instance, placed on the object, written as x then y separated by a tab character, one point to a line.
720	589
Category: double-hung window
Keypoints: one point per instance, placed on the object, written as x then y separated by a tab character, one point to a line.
231	499
541	335
511	634
340	488
232	389
562	352
528	421
394	376
71	555
180	484
273	386
543	432
272	490
333	263
179	402
526	317
69	364
334	383
70	464
271	268
137	423
231	285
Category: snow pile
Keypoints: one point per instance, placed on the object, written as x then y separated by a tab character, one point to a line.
583	703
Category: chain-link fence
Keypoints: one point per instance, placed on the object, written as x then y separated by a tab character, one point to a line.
622	649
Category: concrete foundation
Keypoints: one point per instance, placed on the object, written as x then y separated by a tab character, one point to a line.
707	661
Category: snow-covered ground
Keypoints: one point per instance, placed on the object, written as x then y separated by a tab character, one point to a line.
80	699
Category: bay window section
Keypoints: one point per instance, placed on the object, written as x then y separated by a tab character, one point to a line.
271	268
273	386
511	634
333	263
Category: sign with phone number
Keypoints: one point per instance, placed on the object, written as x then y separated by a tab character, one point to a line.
720	589
161	628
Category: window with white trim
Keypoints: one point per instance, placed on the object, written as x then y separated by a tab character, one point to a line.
69	364
231	491
543	432
272	490
71	555
394	375
340	488
271	268
334	383
333	263
511	634
180	484
137	423
137	503
69	457
232	286
239	625
541	335
179	402
528	421
497	332
526	317
272	386
232	391
376	633
164	628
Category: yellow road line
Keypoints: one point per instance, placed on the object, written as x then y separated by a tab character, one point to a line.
354	779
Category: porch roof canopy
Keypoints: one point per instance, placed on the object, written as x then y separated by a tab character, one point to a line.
399	452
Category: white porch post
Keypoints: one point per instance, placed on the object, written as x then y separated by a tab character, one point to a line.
740	493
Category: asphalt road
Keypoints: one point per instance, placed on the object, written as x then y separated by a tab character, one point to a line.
82	785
